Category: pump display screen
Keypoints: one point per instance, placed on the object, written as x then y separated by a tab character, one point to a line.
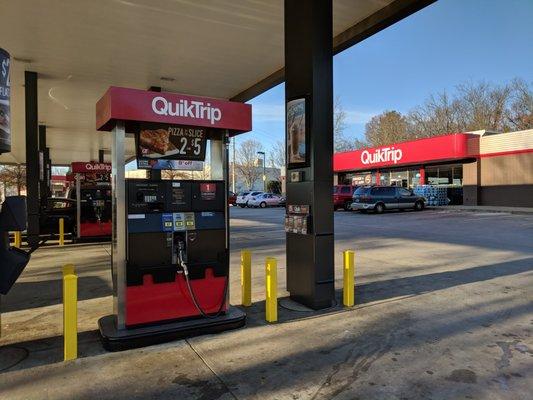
145	196
169	142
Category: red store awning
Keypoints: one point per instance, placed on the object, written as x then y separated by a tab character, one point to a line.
457	146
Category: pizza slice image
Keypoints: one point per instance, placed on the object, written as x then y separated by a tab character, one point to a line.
156	140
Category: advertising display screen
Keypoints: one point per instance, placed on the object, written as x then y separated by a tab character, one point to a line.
5	91
296	132
169	142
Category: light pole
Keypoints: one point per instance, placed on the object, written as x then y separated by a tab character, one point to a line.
262	153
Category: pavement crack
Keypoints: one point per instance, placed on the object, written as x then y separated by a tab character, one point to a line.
218	377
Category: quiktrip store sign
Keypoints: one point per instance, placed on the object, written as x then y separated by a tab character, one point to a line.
436	149
5	95
382	155
133	105
90	168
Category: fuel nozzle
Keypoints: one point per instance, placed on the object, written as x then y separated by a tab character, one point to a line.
181	257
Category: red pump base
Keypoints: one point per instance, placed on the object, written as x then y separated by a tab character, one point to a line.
157	302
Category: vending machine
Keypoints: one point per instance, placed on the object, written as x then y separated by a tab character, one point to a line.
170	238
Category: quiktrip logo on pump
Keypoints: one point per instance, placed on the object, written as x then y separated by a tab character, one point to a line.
186	108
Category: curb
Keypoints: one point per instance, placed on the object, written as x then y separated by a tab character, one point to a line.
492	210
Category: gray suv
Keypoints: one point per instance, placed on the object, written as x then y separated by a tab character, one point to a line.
381	198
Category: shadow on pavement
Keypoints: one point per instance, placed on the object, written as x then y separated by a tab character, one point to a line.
399	287
26	295
34	353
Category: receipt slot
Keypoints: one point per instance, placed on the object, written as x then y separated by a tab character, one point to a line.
170	239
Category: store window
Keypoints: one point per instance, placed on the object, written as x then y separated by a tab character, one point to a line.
414	177
458	175
451	175
384	178
399	178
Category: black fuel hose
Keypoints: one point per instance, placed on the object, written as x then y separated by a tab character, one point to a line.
193	295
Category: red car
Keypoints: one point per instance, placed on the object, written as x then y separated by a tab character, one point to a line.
342	197
232	198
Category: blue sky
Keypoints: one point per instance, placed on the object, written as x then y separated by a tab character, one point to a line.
447	43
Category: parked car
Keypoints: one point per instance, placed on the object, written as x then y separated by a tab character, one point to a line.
232	198
381	198
240	201
343	196
242	198
56	208
265	200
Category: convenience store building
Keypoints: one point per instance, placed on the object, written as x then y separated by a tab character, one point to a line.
480	168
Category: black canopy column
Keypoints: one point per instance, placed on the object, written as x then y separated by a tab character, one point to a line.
308	76
32	157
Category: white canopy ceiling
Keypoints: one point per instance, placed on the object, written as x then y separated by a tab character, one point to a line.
219	48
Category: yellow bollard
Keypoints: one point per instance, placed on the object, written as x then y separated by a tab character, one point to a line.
271	281
61	232
246	277
18	239
348	294
70	313
68	269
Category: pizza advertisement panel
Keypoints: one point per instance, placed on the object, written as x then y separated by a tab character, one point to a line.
169	142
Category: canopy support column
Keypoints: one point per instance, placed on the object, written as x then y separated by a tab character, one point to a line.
32	157
309	76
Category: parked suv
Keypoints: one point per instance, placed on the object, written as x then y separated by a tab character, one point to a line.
381	198
342	196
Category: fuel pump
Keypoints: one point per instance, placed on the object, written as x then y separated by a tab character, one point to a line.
170	240
185	273
92	192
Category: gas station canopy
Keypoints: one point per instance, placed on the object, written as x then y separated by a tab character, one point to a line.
225	49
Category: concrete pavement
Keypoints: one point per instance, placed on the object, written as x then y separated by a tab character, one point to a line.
443	310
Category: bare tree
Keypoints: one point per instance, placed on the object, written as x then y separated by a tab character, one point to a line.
205	173
482	106
13	176
386	128
175	174
439	114
246	161
340	141
520	112
276	155
474	106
